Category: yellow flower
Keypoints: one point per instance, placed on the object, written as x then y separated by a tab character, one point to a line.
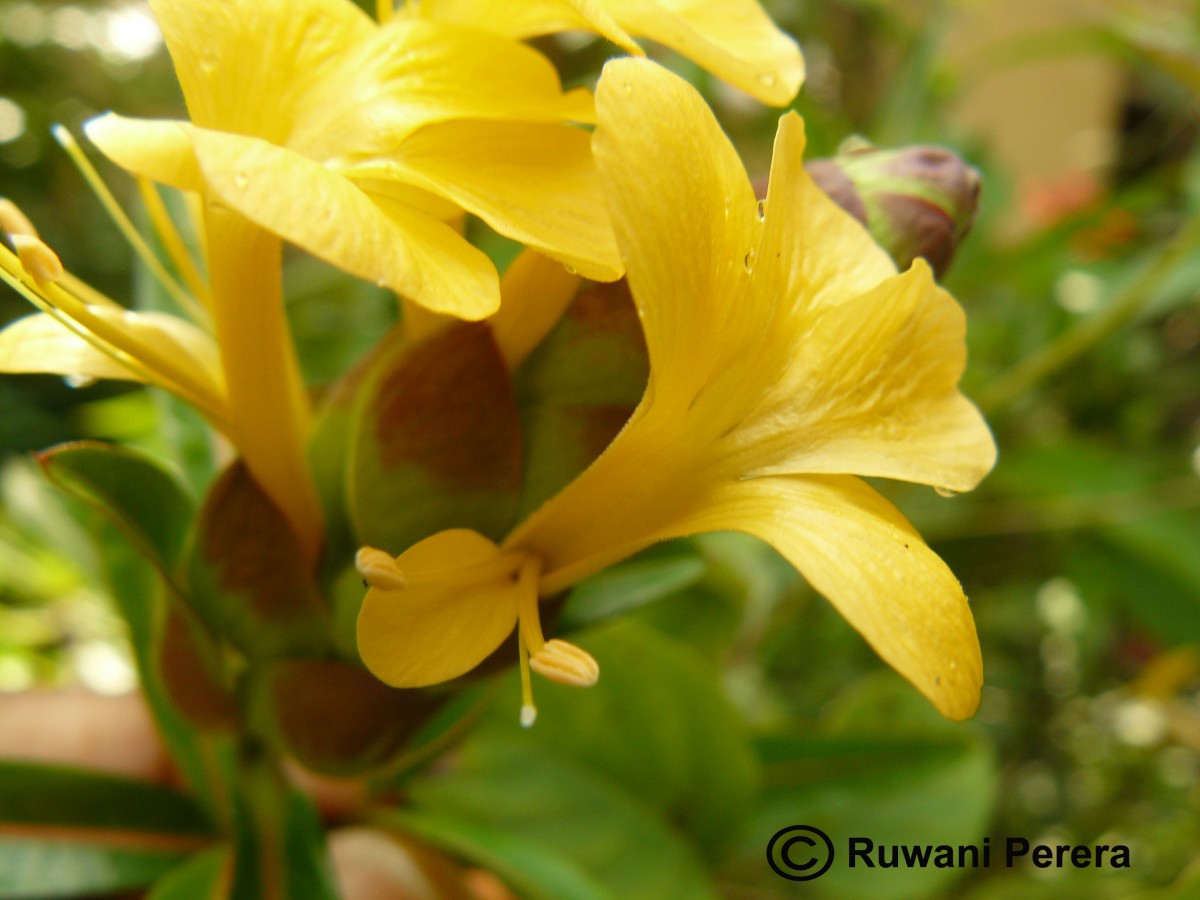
733	39
357	141
787	356
311	123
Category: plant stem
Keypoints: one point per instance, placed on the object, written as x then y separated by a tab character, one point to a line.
1069	346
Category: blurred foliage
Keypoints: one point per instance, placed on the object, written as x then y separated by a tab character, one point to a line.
734	701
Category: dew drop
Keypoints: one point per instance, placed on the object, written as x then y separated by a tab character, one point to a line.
571	270
748	262
945	491
78	381
208	62
766	79
762	210
240	181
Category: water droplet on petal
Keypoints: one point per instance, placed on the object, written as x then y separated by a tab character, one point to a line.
78	381
766	79
208	62
748	262
240	180
762	210
945	491
571	270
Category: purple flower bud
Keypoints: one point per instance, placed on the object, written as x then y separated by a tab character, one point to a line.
915	201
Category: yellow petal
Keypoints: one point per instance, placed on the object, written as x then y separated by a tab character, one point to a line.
532	17
413	73
874	392
859	552
245	65
38	343
685	219
157	149
374	238
733	39
819	252
432	631
535	291
160	349
533	182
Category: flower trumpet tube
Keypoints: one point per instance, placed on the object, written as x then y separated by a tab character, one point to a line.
787	357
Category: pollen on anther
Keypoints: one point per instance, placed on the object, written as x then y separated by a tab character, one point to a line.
379	569
37	258
565	663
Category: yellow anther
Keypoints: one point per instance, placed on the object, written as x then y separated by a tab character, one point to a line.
37	258
13	221
565	663
379	569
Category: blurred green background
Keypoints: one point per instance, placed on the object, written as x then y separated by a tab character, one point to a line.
1080	553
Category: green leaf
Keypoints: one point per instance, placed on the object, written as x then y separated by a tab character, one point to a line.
553	828
437	442
1160	574
69	832
142	498
200	878
249	579
659	572
204	761
657	723
46	869
34	794
932	789
578	389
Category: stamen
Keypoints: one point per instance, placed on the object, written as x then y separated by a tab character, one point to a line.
379	568
13	221
565	663
54	297
529	622
186	302
528	710
529	634
37	258
168	235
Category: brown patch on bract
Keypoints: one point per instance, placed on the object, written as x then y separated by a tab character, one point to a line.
604	307
599	425
337	718
448	407
251	548
188	676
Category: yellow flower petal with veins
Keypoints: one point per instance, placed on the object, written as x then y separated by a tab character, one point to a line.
787	356
733	39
